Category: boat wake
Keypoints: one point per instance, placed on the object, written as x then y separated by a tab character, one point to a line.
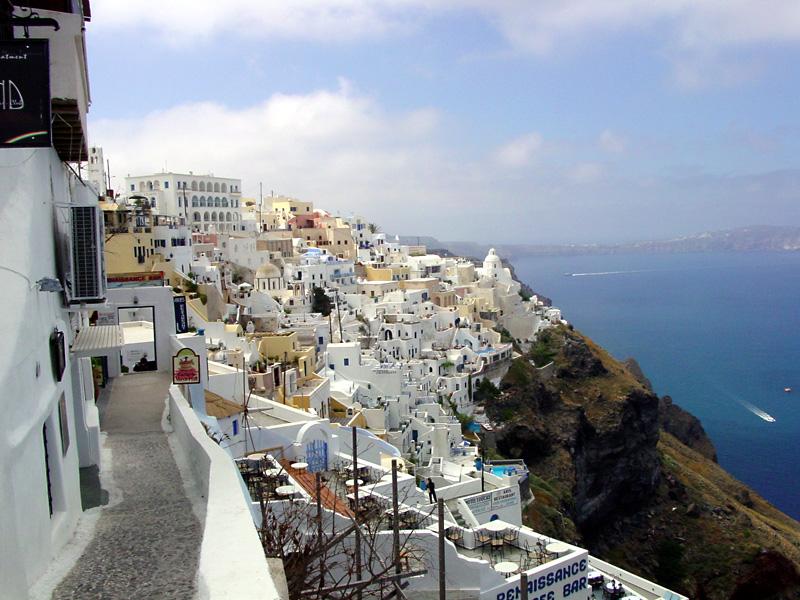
757	411
598	273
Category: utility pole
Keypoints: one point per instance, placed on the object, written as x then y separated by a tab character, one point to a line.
355	507
442	580
483	464
320	533
395	518
285	358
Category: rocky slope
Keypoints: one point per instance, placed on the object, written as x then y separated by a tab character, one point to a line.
634	477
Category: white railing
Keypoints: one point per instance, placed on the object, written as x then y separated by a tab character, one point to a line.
228	518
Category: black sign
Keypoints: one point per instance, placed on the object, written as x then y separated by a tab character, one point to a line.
181	320
24	94
58	358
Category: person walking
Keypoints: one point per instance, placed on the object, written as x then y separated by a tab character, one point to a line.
431	490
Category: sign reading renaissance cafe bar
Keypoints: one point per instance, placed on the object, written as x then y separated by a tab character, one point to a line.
185	367
24	94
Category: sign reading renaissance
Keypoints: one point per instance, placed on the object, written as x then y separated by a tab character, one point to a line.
24	94
133	280
185	367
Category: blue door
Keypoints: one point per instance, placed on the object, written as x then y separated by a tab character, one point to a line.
317	456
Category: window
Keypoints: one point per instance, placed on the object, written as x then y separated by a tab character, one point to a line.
133	187
332	367
236	427
166	185
321	340
346	362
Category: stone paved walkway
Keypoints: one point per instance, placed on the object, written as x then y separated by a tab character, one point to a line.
147	545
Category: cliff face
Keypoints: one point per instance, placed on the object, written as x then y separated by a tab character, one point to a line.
632	477
675	420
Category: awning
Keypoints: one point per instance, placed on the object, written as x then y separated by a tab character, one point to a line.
97	340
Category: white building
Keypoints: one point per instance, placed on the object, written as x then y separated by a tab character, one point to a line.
207	203
51	232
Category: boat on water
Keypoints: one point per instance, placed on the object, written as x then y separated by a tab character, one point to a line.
787	389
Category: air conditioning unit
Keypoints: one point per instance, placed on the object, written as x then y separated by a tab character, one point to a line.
81	249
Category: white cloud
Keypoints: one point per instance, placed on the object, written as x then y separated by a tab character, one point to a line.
698	36
344	151
519	152
335	147
183	21
612	142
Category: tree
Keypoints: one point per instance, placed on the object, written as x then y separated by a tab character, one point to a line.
316	546
374	228
484	391
320	302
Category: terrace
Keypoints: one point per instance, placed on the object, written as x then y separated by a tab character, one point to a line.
495	554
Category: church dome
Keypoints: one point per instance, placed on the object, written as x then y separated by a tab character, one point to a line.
268	271
492	257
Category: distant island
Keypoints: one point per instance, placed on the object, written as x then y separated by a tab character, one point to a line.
742	239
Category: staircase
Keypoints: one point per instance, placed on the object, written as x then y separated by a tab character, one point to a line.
452	505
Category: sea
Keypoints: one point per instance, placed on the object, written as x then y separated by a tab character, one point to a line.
719	332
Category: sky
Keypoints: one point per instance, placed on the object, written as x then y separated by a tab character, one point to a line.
517	121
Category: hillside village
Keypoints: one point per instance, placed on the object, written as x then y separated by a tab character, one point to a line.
254	398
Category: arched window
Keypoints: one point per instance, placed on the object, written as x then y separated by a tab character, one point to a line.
196	216
205	216
224	203
216	186
217	202
195	202
214	216
194	186
209	187
224	187
202	200
202	186
228	217
149	185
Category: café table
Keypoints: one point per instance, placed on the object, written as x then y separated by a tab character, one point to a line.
495	526
286	490
557	548
506	568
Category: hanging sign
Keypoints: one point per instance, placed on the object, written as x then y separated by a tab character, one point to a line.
24	94
181	318
185	367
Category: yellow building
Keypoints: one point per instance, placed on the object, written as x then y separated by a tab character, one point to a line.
289	207
284	347
390	273
129	244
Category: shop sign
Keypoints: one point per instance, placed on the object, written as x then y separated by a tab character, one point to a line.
185	367
24	94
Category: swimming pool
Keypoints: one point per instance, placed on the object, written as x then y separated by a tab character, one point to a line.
503	471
